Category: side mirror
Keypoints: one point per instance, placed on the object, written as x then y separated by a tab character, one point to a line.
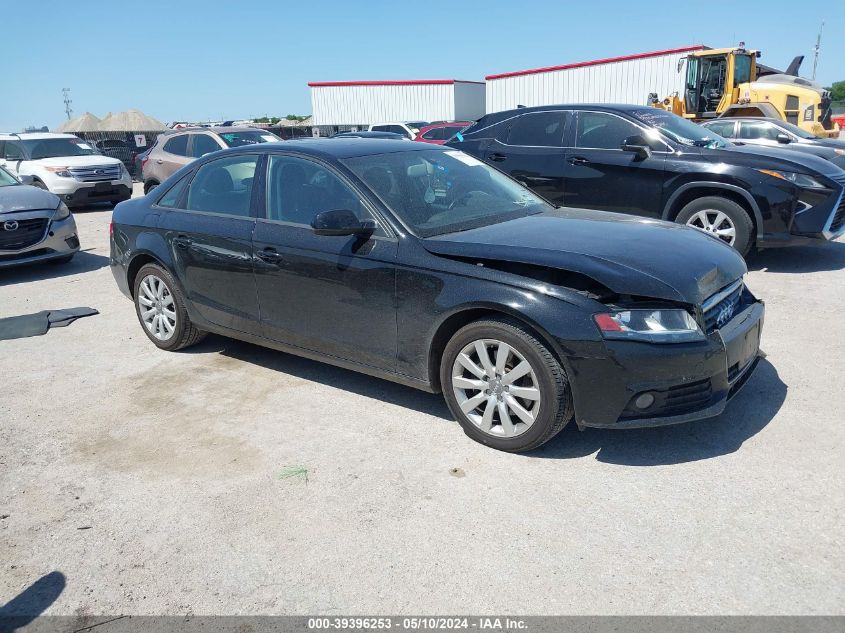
783	138
638	145
26	180
341	222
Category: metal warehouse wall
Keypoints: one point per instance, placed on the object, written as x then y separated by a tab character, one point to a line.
365	103
626	79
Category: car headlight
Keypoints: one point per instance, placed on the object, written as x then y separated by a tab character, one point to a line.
61	172
801	180
62	212
653	326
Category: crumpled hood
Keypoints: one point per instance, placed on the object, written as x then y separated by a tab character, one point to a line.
629	255
25	198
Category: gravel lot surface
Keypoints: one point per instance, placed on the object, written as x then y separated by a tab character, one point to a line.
173	483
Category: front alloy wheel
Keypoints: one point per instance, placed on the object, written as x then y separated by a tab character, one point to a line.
496	388
504	386
715	222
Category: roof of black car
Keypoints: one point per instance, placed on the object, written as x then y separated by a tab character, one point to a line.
350	147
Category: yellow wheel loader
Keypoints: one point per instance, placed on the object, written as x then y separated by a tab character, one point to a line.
724	82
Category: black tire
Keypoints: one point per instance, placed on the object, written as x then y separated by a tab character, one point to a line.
555	406
149	186
39	184
737	216
186	333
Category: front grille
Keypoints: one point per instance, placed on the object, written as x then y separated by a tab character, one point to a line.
717	314
27	233
96	174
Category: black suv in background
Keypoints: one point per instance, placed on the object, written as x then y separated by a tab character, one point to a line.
649	162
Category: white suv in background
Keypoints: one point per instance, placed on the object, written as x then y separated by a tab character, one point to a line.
66	166
408	128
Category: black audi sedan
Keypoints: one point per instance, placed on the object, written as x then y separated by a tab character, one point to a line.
425	266
652	163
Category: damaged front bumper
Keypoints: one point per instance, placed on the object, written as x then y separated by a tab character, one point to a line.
678	382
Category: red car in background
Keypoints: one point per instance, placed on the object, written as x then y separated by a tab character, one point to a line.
439	133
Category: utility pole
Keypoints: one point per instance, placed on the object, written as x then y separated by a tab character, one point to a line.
66	95
818	45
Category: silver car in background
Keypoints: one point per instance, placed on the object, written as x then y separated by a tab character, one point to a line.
35	226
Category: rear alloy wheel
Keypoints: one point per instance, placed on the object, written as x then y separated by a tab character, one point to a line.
504	387
161	310
720	218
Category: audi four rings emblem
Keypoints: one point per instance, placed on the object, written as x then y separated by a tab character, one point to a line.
725	315
11	225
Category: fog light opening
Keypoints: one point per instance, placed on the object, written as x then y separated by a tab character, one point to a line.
644	400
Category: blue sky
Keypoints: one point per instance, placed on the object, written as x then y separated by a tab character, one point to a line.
211	60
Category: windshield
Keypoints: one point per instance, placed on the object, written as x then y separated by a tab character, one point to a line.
797	131
7	179
57	147
251	137
679	129
435	192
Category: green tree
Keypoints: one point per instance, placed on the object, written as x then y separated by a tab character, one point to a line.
837	91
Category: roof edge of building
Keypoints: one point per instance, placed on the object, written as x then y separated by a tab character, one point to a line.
597	62
398	82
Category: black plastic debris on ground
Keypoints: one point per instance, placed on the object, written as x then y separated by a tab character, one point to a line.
39	323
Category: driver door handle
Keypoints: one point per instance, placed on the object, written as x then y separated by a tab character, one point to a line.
578	160
496	157
269	255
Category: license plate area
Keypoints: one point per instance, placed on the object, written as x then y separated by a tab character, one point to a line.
742	343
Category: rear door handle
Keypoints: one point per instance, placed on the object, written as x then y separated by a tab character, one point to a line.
269	255
578	160
496	157
182	241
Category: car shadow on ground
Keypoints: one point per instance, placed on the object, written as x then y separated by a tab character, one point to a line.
800	259
323	373
32	601
82	262
747	414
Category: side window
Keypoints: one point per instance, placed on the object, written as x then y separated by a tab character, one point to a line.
381	128
177	145
299	189
722	128
758	130
223	186
543	129
12	151
398	129
171	199
202	144
598	130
